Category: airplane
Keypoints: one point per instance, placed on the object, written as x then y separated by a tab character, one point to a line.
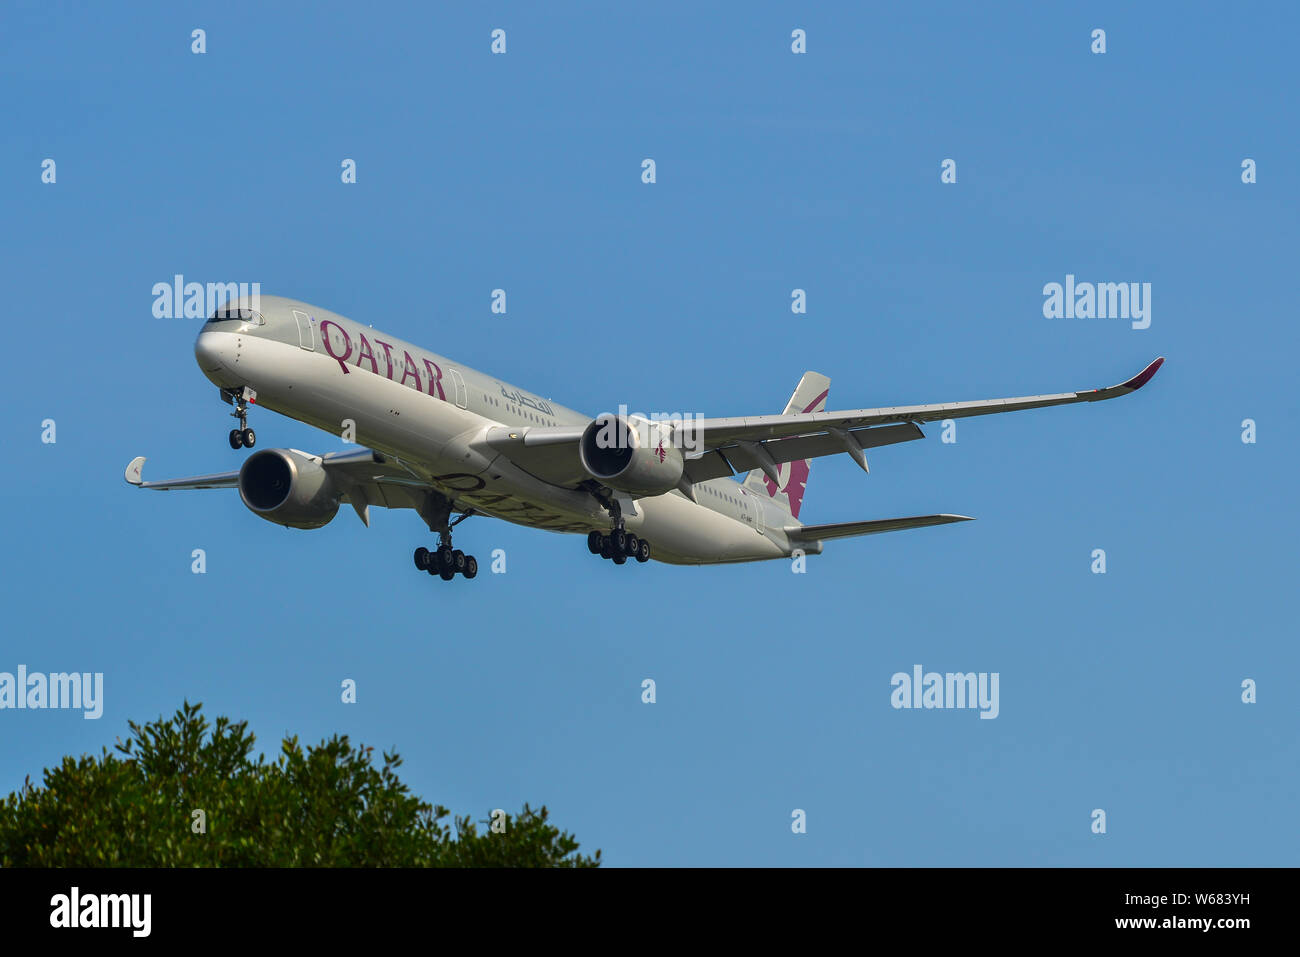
445	440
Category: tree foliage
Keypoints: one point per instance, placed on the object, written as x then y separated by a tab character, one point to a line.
327	805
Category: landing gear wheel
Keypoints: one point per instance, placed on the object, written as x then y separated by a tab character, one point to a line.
443	557
643	551
606	547
447	573
471	566
633	543
236	440
618	541
593	542
249	438
619	558
422	558
457	561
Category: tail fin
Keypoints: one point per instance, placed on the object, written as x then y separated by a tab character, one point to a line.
810	396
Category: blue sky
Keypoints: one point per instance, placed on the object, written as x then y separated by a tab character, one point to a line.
775	171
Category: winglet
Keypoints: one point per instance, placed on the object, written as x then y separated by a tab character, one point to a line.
1143	377
134	469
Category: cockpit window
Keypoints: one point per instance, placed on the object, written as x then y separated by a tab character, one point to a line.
227	313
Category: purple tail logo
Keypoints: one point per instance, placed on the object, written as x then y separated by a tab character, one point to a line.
796	479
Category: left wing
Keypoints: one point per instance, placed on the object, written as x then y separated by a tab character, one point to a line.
720	433
722	447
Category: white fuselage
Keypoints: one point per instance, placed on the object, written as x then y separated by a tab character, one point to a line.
432	415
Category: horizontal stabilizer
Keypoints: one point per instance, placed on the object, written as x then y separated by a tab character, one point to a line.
815	533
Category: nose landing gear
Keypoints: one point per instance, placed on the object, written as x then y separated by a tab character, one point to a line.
243	436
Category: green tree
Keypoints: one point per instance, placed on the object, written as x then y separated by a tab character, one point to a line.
321	806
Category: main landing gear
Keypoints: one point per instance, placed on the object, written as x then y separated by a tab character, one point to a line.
242	437
444	561
619	545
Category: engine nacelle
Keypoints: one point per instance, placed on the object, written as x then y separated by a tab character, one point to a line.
631	455
288	488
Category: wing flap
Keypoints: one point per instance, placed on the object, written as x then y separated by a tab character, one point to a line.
729	459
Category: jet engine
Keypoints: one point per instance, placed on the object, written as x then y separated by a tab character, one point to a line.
288	488
632	455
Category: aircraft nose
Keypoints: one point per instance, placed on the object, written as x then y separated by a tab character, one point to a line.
209	350
215	354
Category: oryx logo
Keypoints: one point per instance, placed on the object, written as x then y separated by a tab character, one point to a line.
661	452
795	484
795	473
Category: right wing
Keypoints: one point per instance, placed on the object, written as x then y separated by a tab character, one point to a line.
134	475
364	478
